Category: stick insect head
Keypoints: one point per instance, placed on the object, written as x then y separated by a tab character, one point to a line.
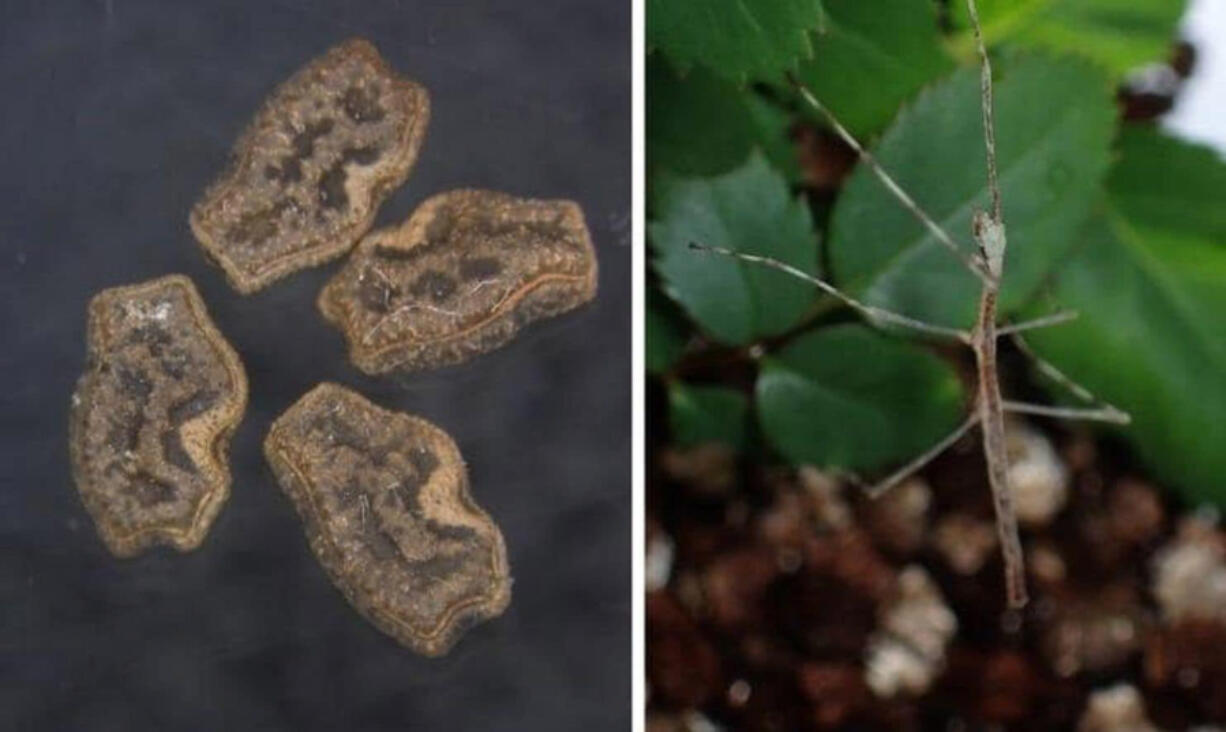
990	235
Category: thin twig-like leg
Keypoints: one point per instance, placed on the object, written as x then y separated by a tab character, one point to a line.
973	263
915	465
989	122
1064	316
869	311
1049	370
1106	413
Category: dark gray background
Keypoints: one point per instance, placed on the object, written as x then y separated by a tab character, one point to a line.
116	114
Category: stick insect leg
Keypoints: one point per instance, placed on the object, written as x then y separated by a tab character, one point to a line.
1111	412
1046	321
1106	413
871	312
989	114
972	262
878	489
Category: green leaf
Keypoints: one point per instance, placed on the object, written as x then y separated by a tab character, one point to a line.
851	398
1120	35
738	39
703	125
873	56
703	414
1164	183
750	210
666	333
1148	285
773	126
1055	119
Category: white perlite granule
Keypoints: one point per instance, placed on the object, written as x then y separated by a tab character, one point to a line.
1117	708
907	652
1037	476
1190	573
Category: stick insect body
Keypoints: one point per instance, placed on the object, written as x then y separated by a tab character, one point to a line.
987	264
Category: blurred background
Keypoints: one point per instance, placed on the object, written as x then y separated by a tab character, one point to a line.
1200	105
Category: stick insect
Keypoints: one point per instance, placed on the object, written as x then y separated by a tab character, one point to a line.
986	262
